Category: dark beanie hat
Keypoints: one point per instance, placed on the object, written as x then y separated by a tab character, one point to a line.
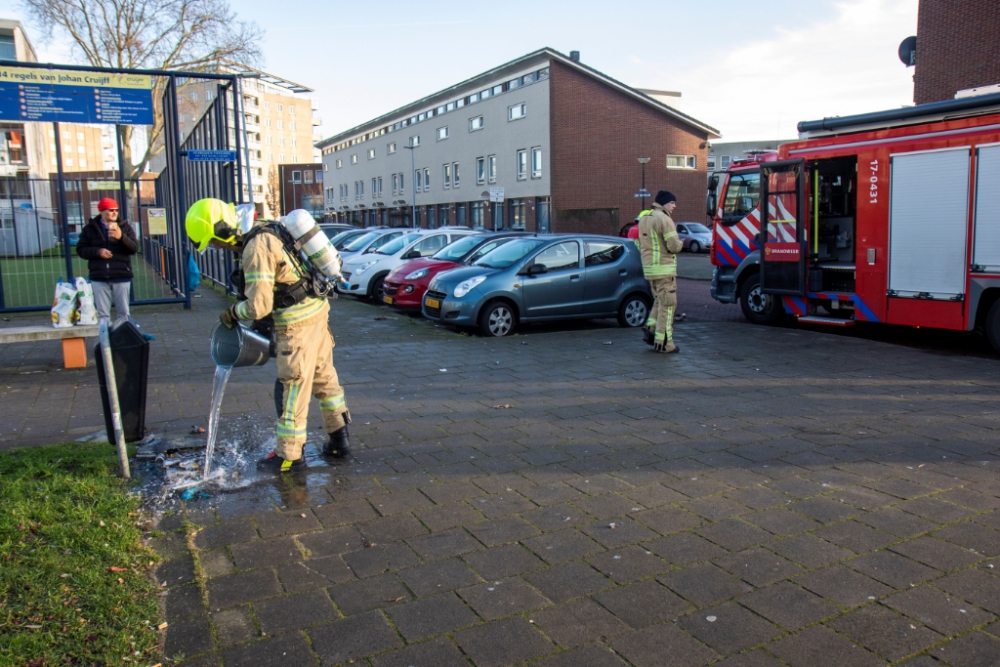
664	197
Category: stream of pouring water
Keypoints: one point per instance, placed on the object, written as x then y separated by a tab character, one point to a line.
218	389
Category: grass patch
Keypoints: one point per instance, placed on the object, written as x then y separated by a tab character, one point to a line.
66	519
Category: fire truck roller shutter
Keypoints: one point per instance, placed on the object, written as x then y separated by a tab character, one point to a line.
928	223
986	244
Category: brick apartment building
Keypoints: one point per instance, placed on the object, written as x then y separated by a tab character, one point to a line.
958	48
300	186
561	138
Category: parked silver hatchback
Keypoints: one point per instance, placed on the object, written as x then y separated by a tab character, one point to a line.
543	278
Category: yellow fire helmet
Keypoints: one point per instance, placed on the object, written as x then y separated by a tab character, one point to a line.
209	219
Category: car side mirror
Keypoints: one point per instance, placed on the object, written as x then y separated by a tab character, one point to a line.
536	269
413	254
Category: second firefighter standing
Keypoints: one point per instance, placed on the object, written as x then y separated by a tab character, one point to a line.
275	287
659	246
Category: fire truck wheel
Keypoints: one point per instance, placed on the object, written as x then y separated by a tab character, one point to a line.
993	326
757	307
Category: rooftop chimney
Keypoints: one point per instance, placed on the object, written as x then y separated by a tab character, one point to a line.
574	56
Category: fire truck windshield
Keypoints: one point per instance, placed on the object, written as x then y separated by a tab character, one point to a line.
742	196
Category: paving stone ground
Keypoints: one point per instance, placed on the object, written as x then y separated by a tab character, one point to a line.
770	496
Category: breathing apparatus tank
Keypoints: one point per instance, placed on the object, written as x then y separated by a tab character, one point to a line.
317	252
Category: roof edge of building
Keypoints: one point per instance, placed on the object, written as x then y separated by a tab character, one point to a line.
491	73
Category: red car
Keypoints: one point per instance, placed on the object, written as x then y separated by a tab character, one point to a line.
406	285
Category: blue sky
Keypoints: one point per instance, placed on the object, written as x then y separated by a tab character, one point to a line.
752	69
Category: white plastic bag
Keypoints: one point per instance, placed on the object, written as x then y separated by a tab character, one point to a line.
64	311
85	296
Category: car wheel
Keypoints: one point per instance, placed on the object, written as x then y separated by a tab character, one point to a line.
496	319
993	326
377	290
759	308
694	247
633	312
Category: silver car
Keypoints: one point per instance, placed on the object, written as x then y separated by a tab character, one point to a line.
542	278
695	236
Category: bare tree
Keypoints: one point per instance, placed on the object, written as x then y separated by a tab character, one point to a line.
189	35
272	196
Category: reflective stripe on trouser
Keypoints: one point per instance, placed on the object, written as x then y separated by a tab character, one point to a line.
305	369
664	305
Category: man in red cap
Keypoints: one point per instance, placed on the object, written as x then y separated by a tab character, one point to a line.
108	246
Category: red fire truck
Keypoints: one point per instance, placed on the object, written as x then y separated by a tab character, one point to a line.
889	217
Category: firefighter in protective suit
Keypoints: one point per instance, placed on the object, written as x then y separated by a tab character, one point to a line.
275	287
659	245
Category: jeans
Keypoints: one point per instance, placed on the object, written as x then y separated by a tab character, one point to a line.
105	293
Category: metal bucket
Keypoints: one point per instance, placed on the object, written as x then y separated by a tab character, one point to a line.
239	347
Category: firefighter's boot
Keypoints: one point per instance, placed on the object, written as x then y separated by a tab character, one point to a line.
275	463
339	447
647	336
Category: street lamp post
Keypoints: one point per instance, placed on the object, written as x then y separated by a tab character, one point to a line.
643	160
413	185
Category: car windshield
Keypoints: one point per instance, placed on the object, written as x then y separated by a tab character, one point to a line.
357	244
394	246
487	247
509	253
697	228
340	239
458	249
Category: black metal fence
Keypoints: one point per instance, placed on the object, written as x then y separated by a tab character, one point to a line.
41	218
185	182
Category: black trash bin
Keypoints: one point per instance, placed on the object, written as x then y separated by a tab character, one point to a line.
130	356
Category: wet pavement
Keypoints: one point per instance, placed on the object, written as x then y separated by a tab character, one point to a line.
770	496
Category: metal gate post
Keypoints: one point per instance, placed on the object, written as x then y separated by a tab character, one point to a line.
181	206
63	213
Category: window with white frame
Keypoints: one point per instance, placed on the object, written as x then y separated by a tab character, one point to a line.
442	133
522	164
281	125
291	109
374	188
354	159
402	186
295	158
681	162
710	162
307	176
446	176
491	168
395	183
427	180
724	162
267	106
295	142
371	153
480	170
454	175
280	108
391	148
475	123
267	122
415	140
536	162
296	177
418	180
340	163
281	157
517	111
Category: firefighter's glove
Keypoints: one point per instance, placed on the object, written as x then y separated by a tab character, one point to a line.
228	317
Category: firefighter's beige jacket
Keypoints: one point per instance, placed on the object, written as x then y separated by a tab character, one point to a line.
265	263
658	244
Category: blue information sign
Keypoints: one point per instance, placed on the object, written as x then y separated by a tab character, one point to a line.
200	155
64	96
